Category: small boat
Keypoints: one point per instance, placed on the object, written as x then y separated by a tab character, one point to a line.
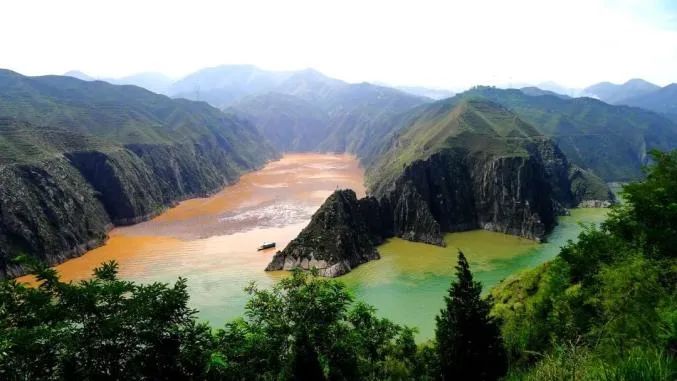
266	245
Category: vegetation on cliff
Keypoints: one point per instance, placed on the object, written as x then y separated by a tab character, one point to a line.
611	141
606	307
79	156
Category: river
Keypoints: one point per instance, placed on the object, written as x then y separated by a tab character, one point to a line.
212	242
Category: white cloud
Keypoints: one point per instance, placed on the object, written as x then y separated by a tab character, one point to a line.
435	43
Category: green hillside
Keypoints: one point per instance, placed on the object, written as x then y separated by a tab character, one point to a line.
76	156
22	142
663	100
612	141
472	125
312	112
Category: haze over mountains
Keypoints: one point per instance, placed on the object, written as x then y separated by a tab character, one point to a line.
224	85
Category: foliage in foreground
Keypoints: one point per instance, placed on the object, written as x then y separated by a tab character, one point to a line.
469	344
107	328
103	328
608	302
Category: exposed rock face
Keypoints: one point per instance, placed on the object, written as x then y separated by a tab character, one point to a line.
337	239
49	212
452	190
139	181
59	208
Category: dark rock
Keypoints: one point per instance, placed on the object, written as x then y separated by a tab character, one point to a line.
452	190
49	212
336	240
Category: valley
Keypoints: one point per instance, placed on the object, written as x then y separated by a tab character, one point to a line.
212	242
338	191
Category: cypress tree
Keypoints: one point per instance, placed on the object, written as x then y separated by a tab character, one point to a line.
469	343
306	364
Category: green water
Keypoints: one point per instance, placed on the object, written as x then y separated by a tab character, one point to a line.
408	283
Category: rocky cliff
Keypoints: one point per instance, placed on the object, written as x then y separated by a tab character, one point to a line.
47	211
337	239
483	169
78	157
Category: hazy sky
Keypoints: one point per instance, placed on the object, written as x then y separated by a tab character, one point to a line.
446	44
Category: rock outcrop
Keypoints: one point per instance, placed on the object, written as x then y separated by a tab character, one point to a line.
337	239
49	212
509	180
589	191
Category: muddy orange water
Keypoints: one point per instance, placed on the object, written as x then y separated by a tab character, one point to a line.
212	241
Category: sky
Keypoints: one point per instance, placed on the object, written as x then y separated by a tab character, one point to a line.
439	44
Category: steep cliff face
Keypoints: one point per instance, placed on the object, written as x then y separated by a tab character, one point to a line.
453	191
475	167
77	157
336	240
47	211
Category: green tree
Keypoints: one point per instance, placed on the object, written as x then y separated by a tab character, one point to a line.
609	296
306	328
103	329
469	344
648	218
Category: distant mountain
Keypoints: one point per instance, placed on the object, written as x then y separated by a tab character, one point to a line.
617	94
289	122
222	85
435	94
76	156
535	91
79	75
557	88
310	85
612	141
155	82
663	100
310	111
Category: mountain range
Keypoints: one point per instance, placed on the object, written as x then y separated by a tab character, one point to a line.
79	156
507	160
638	93
223	86
306	110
